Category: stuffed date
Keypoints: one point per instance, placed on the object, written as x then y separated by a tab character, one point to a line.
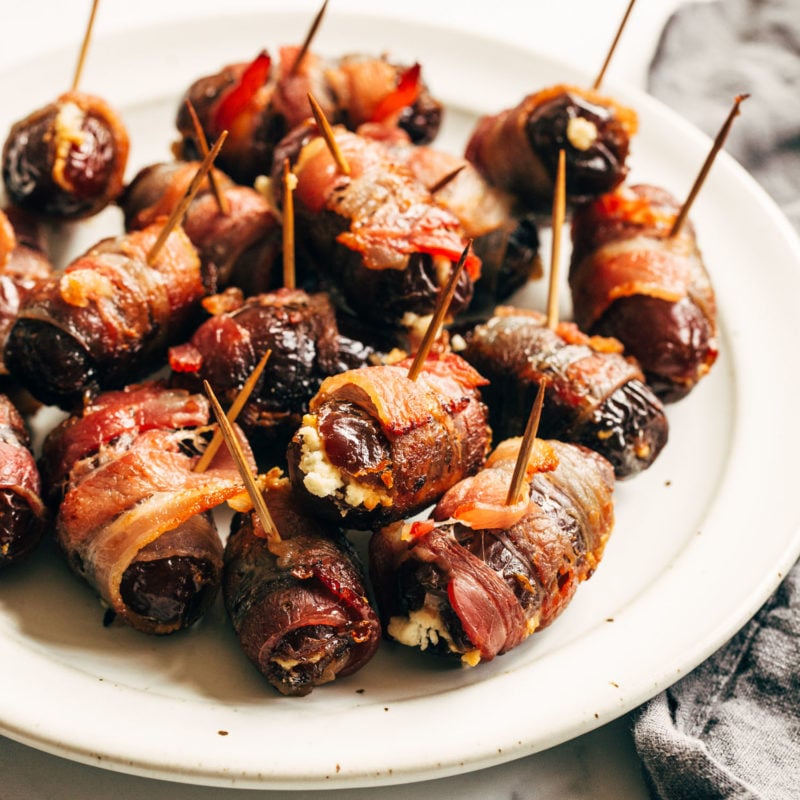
377	446
66	160
480	576
632	280
594	395
299	606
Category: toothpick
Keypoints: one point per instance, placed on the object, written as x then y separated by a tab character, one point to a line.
76	78
179	210
327	135
444	180
715	148
202	142
528	439
312	31
233	412
599	79
289	181
442	305
271	530
559	213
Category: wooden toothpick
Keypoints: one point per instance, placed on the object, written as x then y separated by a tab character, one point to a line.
701	176
559	213
528	439
177	213
327	135
202	142
445	179
312	32
76	78
599	79
270	529
233	412
442	306
289	180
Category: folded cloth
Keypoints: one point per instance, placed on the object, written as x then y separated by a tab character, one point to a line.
731	728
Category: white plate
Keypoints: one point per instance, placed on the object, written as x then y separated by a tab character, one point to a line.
701	538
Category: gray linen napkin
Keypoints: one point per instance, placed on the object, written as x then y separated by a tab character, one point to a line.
731	728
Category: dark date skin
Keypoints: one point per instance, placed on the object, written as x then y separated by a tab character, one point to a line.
170	591
354	441
20	531
680	338
591	171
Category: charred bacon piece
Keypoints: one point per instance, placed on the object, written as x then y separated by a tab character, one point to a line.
595	396
632	280
299	606
480	576
23	264
377	238
377	446
301	331
22	512
259	105
237	248
517	149
133	517
106	318
67	159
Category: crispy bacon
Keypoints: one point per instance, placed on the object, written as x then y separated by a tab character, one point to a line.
376	236
66	159
518	148
595	396
476	587
299	606
237	247
301	332
106	317
631	280
377	446
259	103
133	516
22	512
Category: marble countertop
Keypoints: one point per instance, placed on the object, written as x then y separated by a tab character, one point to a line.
597	765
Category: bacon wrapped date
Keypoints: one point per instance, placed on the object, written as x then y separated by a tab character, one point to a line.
259	105
631	280
377	238
518	148
67	159
22	512
594	395
237	247
299	606
23	264
506	243
301	331
480	576
103	320
133	517
377	446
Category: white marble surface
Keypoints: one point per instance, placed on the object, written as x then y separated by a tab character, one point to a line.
598	765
